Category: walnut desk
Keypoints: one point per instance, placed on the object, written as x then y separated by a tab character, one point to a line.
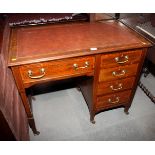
109	52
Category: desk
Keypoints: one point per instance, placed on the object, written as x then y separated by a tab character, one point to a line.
109	52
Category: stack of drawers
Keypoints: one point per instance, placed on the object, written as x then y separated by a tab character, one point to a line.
117	75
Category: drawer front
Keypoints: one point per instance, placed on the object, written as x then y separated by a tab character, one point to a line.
117	72
121	58
113	100
115	86
57	69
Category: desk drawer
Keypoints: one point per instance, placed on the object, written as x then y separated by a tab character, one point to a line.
112	100
121	58
115	86
117	72
57	69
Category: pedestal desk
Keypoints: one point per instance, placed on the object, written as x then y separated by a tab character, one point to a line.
108	52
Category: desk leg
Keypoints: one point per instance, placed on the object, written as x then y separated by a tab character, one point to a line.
92	116
126	110
92	120
33	126
29	113
21	89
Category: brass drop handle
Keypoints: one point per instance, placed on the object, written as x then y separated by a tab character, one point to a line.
30	74
114	73
113	101
76	67
118	87
126	58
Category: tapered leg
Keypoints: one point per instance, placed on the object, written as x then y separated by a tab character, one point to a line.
92	116
33	126
92	120
126	110
25	100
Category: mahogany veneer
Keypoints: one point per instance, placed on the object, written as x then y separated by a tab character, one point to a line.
112	100
108	61
109	52
115	86
58	69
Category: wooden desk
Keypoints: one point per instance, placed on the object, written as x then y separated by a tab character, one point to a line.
109	52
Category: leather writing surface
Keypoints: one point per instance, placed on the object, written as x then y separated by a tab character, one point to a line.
42	40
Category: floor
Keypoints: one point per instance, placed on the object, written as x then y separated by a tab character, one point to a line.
63	116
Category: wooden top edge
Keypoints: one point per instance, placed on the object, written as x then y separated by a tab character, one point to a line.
45	59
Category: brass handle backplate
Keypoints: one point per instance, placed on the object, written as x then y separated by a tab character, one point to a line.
121	73
120	61
42	71
118	87
113	101
76	67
